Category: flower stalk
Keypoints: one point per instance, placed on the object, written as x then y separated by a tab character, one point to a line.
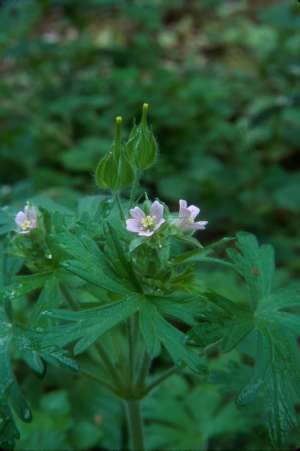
135	424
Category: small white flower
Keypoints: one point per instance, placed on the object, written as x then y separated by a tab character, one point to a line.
146	225
186	217
26	220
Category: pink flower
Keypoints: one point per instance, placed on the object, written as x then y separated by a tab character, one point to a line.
187	216
26	220
146	225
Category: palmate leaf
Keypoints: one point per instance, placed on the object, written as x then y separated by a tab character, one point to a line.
225	321
185	418
90	264
255	264
49	298
10	394
276	325
22	343
157	331
276	380
86	326
22	285
25	344
271	317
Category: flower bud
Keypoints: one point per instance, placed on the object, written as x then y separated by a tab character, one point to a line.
114	171
141	147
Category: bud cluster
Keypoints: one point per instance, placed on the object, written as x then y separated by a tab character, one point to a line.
119	167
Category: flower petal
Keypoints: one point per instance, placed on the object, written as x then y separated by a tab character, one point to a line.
194	211
146	232
200	225
157	210
159	224
137	213
182	206
31	213
20	218
132	225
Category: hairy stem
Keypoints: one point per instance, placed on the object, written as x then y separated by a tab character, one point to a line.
135	425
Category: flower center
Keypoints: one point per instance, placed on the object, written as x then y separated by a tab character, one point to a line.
26	224
148	222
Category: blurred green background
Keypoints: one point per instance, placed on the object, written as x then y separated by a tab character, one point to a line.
223	82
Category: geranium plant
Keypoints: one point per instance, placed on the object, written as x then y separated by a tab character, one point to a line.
118	283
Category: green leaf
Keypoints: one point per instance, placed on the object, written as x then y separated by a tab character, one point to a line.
276	378
148	329
276	374
88	325
186	417
22	285
95	276
255	264
49	298
171	338
223	320
90	263
201	252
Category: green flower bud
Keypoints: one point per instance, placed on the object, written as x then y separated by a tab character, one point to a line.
141	147
114	171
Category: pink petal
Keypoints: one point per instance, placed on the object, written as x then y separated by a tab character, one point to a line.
184	212
159	224
157	210
31	214
182	206
146	232
137	213
132	225
20	218
200	225
194	211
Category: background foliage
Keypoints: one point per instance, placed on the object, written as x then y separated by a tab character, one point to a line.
222	80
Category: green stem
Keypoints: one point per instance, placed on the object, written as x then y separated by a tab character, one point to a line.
130	350
135	425
159	380
118	201
134	188
144	369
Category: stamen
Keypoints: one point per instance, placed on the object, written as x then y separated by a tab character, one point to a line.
148	222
